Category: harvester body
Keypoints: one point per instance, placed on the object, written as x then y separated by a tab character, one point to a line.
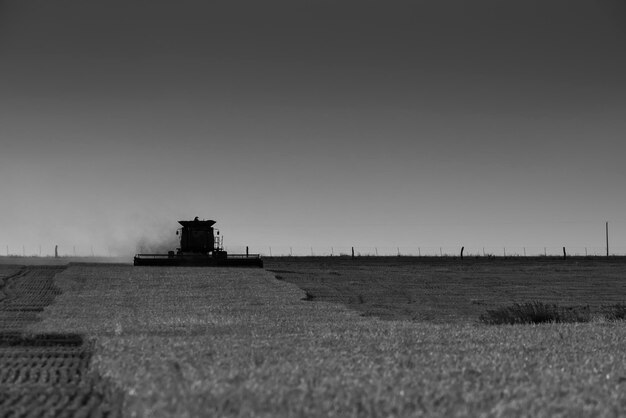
200	245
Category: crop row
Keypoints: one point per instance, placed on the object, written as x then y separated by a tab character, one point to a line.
42	368
45	374
23	296
28	289
58	401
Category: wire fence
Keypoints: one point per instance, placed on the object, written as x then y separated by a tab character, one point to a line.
8	250
361	251
325	251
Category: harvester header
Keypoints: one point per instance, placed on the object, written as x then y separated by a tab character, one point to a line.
200	245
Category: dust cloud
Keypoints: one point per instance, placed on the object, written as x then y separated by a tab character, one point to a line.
141	234
156	244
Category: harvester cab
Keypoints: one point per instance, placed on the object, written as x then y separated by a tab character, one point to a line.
197	237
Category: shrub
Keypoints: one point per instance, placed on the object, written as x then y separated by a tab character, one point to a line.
536	313
308	296
615	312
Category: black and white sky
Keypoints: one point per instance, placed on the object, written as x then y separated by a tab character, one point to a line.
313	123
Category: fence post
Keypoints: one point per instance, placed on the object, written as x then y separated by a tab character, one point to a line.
246	251
607	239
353	253
564	254
462	248
56	251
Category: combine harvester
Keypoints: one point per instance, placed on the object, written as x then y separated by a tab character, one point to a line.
200	245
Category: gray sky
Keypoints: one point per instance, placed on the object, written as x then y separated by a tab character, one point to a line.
313	123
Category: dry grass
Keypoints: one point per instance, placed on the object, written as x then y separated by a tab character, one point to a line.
229	342
536	313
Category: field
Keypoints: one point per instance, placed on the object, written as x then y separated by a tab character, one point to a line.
328	337
448	290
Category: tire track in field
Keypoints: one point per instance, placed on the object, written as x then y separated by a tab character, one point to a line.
45	374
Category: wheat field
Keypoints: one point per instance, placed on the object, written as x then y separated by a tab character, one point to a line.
194	342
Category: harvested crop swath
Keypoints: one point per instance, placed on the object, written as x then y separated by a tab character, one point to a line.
50	373
44	374
25	294
43	364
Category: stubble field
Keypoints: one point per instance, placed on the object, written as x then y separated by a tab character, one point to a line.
450	290
366	337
